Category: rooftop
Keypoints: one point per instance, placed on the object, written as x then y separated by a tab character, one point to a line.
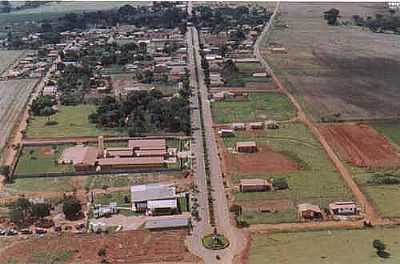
152	192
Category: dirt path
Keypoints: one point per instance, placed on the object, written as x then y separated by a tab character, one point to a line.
346	175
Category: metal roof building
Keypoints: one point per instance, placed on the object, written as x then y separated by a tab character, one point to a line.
154	191
167	222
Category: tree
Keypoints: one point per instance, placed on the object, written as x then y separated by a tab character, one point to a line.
5	170
331	16
40	210
17	217
229	70
380	248
71	208
280	184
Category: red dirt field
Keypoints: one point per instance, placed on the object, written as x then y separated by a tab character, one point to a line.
125	247
263	161
361	145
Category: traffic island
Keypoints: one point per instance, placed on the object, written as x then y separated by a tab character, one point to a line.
215	241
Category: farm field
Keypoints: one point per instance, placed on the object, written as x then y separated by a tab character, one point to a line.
316	247
382	187
259	107
361	145
8	57
136	246
315	180
341	70
59	8
14	95
72	121
390	129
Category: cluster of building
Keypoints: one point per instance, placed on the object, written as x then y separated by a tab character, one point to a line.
30	66
138	154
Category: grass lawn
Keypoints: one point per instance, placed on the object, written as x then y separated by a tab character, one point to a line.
288	216
72	121
325	247
260	106
53	184
42	160
248	67
317	183
118	197
390	129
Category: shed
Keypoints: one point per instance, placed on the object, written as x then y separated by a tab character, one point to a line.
246	147
238	126
224	132
256	125
255	185
309	211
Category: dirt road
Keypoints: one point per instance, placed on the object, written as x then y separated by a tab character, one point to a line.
346	175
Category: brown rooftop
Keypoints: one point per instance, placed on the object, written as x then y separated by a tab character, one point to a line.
246	144
131	161
147	144
253	182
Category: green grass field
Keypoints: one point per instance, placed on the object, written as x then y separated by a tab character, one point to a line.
118	197
72	121
56	184
390	129
260	106
317	183
325	247
42	160
248	67
382	195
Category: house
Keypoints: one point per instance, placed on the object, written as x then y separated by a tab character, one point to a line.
256	125
154	198
246	147
309	211
271	124
278	50
224	132
344	208
255	185
168	223
238	126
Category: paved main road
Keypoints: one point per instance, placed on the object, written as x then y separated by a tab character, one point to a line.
224	225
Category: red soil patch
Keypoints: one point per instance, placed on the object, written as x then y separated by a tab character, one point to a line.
46	151
361	145
264	160
124	247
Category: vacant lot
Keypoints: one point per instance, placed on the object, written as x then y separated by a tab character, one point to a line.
323	247
42	160
390	129
124	247
342	70
72	121
260	106
8	57
361	145
13	96
317	182
265	160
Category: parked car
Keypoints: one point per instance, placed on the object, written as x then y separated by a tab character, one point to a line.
2	232
11	232
40	231
26	231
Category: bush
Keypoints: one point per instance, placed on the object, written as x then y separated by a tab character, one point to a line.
71	208
40	210
280	184
51	123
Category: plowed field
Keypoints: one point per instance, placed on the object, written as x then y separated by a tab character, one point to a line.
263	161
125	247
361	145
